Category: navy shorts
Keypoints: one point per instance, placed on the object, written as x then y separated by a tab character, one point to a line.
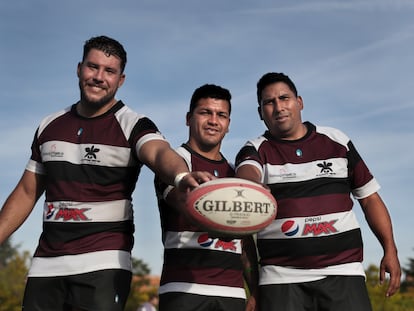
105	290
176	301
333	293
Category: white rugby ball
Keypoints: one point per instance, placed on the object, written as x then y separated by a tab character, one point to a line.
231	206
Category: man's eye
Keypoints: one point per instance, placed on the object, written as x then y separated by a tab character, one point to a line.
268	101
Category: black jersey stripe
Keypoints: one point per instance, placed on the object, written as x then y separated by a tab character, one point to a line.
300	247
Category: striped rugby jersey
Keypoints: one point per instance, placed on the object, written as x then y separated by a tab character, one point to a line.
91	168
195	262
312	179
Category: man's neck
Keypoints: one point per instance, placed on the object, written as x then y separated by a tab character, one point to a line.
210	153
89	110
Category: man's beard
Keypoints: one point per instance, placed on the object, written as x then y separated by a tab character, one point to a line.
95	104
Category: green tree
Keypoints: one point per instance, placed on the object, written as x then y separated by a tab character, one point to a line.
139	267
14	268
408	282
398	302
140	285
6	252
13	271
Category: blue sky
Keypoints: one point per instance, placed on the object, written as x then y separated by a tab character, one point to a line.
352	62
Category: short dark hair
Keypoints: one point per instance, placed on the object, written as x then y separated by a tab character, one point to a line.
107	45
273	77
210	91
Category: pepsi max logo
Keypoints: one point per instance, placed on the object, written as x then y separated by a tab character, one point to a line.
290	228
75	214
225	245
204	240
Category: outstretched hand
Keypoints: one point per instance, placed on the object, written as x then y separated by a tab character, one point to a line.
187	182
193	180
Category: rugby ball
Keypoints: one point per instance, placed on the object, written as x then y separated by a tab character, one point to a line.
231	206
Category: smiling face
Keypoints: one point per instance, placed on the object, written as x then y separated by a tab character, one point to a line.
280	110
100	76
209	122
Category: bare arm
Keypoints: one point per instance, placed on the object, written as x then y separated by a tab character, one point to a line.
166	163
249	172
379	221
20	203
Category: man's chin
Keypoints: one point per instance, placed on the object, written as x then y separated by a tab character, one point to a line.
96	103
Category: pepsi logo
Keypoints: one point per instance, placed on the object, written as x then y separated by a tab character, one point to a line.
50	211
204	240
290	228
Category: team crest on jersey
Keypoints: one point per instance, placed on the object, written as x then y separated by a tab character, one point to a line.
91	154
325	168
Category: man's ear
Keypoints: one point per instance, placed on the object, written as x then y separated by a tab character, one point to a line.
121	80
187	118
78	69
300	102
259	110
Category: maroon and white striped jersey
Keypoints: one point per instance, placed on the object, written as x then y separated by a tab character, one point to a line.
312	179
91	168
194	261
